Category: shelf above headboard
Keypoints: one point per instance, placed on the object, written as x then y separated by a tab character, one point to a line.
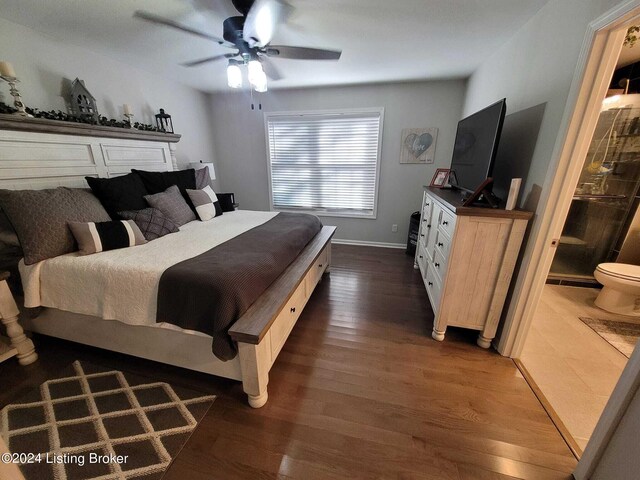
41	125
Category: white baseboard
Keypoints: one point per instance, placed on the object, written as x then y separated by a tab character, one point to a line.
365	243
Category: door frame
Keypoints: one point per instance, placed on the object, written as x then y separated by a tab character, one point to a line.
597	61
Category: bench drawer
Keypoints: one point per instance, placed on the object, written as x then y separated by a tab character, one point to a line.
285	321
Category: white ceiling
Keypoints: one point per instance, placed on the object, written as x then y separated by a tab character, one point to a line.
381	40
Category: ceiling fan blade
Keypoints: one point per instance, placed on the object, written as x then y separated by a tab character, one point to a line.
195	63
302	53
262	20
270	69
152	18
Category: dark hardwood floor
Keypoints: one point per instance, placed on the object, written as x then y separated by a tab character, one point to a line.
359	391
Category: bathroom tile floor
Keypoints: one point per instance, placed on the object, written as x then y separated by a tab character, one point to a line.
574	367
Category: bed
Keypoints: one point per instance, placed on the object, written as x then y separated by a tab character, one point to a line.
109	312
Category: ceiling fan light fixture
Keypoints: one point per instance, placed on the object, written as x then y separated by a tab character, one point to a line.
260	84
234	76
255	71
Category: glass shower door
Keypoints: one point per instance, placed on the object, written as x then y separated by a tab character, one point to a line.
604	200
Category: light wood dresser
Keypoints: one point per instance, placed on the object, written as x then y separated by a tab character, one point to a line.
466	256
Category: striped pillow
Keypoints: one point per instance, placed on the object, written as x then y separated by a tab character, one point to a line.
204	202
94	237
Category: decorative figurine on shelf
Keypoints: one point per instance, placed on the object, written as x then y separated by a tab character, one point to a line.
8	74
128	112
163	122
83	104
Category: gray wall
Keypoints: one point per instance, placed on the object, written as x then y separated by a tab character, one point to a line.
239	139
45	66
534	68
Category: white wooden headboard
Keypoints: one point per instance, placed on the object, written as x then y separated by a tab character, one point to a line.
36	160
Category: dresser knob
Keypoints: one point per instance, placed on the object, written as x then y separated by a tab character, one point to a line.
440	244
445	222
430	284
320	266
437	265
422	234
421	256
293	309
429	226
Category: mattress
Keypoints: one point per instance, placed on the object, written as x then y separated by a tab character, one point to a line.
123	284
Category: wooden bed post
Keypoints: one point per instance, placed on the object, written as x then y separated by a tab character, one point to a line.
255	362
9	313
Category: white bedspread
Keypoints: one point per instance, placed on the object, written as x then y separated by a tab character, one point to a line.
123	284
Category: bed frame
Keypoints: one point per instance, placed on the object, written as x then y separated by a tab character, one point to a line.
37	154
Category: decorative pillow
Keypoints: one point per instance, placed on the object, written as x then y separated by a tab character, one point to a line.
172	205
118	194
152	223
203	178
158	182
204	202
40	218
227	201
97	237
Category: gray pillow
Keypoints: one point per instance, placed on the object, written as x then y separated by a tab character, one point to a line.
172	205
203	179
40	218
152	223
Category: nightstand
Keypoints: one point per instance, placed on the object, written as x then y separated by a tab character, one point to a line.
18	344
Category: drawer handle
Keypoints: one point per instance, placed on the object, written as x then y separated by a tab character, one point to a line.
427	204
437	265
440	244
421	256
422	234
429	226
430	284
320	266
444	222
293	309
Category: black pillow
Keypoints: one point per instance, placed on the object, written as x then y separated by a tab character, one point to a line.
157	182
119	193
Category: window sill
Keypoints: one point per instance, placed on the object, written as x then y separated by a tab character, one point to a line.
323	213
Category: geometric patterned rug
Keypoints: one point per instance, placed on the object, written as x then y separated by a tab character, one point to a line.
622	336
94	423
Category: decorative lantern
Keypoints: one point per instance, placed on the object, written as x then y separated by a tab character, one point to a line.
83	104
163	122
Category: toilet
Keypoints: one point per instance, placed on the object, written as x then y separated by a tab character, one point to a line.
621	291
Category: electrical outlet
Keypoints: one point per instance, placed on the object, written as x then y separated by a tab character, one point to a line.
394	228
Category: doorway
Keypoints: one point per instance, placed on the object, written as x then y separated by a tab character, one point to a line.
559	344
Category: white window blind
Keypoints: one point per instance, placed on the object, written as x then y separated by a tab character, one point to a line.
325	163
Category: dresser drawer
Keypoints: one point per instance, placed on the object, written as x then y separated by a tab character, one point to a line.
431	230
439	265
427	206
421	259
434	288
443	243
447	222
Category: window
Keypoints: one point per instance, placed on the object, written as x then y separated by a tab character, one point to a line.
325	162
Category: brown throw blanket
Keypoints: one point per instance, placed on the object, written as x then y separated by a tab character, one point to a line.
208	293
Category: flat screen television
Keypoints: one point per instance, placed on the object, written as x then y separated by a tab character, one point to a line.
476	144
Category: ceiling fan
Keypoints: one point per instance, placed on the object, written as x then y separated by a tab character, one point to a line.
250	35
